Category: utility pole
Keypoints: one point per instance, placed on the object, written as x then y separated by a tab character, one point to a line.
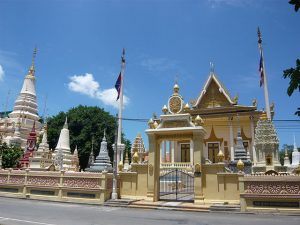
114	194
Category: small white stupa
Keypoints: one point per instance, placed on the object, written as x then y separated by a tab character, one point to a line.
42	158
287	162
295	155
16	139
63	147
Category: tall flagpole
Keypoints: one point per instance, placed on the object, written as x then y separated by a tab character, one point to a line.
265	82
120	155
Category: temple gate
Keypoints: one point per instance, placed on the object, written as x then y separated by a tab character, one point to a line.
175	153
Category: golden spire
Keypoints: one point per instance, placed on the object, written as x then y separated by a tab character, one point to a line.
32	68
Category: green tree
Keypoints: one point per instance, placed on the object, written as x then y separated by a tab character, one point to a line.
85	124
10	155
294	73
296	4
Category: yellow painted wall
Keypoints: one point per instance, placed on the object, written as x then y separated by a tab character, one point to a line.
218	185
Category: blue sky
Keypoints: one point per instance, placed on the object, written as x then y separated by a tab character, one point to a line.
80	43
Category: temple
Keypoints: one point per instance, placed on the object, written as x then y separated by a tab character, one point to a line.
224	119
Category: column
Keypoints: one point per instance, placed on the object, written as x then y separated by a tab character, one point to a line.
191	152
198	161
165	151
253	153
153	169
231	139
172	151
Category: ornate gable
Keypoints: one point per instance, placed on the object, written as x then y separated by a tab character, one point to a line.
213	95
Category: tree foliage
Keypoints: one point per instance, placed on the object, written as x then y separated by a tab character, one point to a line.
86	125
10	155
296	4
294	73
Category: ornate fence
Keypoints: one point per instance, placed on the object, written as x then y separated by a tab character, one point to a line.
63	186
270	191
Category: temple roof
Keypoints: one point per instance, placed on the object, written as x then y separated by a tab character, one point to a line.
213	83
215	98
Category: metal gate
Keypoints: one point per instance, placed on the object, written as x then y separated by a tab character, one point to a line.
176	185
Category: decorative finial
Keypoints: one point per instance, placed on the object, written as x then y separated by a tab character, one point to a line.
176	87
212	67
104	135
34	55
240	165
220	156
151	123
259	36
123	56
32	68
186	107
165	109
66	123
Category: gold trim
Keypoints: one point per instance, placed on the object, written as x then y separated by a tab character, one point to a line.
213	137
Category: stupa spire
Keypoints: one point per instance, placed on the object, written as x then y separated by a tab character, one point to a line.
26	103
104	135
295	154
295	145
66	123
32	67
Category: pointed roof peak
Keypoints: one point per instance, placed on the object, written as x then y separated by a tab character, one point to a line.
212	77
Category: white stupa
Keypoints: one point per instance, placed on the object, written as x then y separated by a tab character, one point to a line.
295	155
63	146
25	110
287	162
42	158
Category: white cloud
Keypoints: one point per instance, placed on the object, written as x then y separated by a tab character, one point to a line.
1	73
109	96
85	84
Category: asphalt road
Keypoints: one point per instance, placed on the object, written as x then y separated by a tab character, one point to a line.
25	212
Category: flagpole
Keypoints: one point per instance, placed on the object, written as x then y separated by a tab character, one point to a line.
120	155
265	82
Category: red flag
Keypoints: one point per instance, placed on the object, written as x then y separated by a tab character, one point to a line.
118	85
261	70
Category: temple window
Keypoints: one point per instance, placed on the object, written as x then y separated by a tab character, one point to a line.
213	149
185	152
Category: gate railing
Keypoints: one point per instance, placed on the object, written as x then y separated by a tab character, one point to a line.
176	184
